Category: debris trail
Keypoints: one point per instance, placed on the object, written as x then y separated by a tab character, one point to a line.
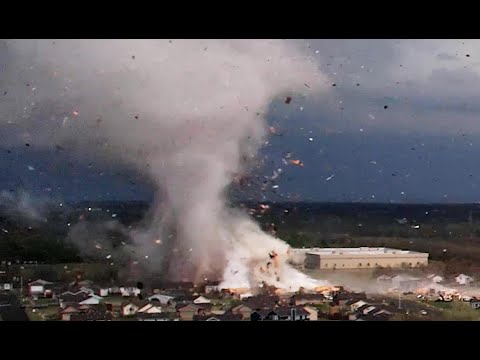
183	116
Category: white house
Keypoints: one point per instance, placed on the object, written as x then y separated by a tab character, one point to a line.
6	286
129	309
103	292
211	288
150	309
356	305
38	286
201	300
92	300
245	296
463	279
129	291
162	298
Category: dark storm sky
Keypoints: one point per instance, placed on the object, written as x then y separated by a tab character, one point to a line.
401	123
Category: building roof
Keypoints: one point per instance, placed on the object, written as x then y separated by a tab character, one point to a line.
239	307
144	315
308	297
160	297
262	302
224	317
262	313
350	296
92	316
39	282
74	297
287	311
70	310
188	307
361	251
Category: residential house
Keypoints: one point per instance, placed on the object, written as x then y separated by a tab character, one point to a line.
463	279
313	313
224	317
114	290
161	298
66	313
149	309
92	300
242	310
129	308
102	291
6	286
37	287
201	300
354	306
303	299
92	315
283	313
211	287
129	291
157	317
341	299
186	312
381	316
68	298
262	302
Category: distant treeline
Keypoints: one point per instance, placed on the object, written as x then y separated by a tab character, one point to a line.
431	228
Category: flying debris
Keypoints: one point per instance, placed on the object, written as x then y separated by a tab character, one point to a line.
296	162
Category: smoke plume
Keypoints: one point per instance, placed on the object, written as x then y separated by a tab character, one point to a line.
21	204
188	114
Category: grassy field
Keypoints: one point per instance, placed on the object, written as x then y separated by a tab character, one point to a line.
48	313
457	311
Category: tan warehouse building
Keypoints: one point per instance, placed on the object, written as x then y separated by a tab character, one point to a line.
360	258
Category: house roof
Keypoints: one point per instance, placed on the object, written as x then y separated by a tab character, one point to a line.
287	311
262	313
188	307
74	297
262	302
160	297
224	317
239	307
308	297
350	296
69	310
155	315
39	282
201	300
91	316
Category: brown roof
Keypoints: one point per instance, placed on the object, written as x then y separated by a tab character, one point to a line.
92	316
188	307
156	316
262	302
224	317
70	310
